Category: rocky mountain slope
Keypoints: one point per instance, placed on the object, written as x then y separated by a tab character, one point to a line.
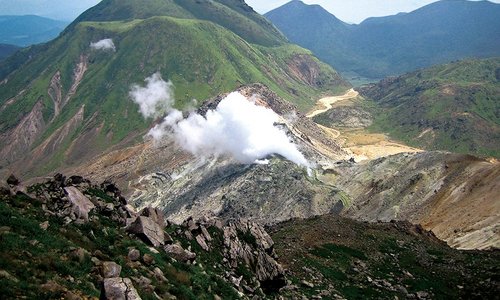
7	50
453	107
455	196
164	175
75	239
77	246
68	100
429	188
28	30
77	115
378	47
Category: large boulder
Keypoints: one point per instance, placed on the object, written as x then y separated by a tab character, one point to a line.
155	214
149	226
177	252
81	205
148	230
111	269
119	289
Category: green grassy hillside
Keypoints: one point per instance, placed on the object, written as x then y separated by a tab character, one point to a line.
234	15
65	256
454	107
200	57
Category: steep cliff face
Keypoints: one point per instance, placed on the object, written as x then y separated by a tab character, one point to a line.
455	196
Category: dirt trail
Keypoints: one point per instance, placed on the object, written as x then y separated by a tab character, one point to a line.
362	144
325	104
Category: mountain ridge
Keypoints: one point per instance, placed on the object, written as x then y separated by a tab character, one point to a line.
451	107
70	102
378	47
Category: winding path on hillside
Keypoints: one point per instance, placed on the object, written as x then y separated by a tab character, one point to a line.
324	104
363	145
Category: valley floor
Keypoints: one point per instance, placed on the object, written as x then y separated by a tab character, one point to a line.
363	145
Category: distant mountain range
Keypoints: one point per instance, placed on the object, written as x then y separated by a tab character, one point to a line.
28	30
378	47
54	9
454	107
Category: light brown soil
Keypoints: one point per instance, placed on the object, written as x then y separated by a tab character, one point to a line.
362	144
324	104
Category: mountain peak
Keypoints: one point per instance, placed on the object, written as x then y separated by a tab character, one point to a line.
234	15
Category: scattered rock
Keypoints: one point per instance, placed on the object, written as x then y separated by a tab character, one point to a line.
134	254
71	296
4	191
236	281
201	241
307	284
111	269
159	274
144	283
78	255
6	275
205	233
5	229
95	261
52	287
44	225
422	295
148	259
12	180
188	235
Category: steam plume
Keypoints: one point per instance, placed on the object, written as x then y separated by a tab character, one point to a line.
237	127
155	98
105	44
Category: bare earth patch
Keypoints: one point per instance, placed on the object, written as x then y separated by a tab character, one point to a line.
362	144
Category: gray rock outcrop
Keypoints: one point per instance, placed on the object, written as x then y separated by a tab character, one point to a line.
119	289
81	205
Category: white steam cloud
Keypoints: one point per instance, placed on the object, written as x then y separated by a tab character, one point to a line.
155	98
237	127
105	44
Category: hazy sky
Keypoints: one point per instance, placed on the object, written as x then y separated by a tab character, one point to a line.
353	11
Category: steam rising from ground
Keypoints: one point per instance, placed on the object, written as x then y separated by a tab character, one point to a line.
237	127
155	98
106	44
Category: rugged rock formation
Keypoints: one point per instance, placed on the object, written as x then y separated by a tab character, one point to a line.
63	257
149	230
120	288
455	196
